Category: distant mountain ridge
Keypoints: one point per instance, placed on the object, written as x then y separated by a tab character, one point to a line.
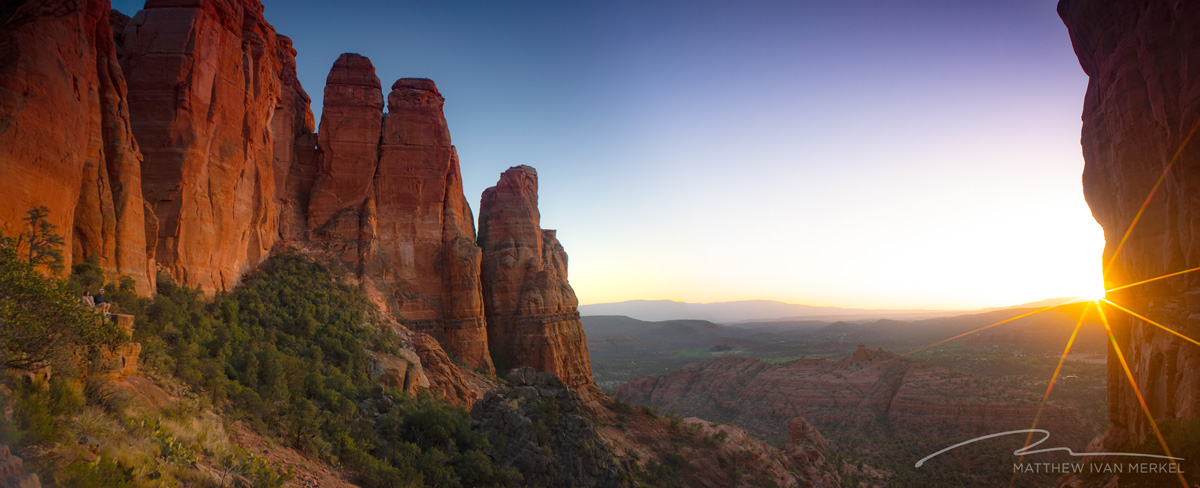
752	310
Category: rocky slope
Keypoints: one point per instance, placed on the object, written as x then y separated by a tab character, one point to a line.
540	427
868	392
532	312
673	451
12	471
65	137
1141	108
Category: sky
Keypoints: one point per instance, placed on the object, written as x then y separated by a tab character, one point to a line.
866	154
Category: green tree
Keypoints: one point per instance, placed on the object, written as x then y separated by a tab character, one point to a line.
42	243
41	320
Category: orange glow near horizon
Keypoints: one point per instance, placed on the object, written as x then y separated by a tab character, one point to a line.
963	264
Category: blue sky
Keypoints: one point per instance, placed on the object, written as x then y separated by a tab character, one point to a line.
857	153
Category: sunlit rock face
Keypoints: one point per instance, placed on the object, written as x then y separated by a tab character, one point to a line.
387	202
204	82
65	138
1143	100
531	309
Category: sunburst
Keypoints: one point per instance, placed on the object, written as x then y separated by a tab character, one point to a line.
1097	302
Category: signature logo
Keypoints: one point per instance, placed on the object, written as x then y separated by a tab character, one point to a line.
1027	450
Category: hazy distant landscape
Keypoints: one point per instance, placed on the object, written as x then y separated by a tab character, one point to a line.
758	375
746	311
624	348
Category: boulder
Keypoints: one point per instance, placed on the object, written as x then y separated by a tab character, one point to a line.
401	371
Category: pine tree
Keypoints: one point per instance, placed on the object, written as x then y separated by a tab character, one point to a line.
42	242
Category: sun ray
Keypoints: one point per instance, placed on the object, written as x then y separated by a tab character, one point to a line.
1163	327
1131	285
1005	321
1137	391
1058	369
1149	197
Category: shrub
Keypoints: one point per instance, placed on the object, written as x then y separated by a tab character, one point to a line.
287	353
41	321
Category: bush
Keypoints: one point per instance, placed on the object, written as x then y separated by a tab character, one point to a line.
287	353
41	411
41	321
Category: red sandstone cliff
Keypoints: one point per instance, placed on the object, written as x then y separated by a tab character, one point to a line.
1142	101
232	164
387	203
531	309
65	139
203	85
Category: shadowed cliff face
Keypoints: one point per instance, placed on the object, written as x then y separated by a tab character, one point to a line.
65	139
295	148
532	312
1143	62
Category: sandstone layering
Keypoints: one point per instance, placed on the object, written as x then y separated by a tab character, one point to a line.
532	312
65	137
1142	104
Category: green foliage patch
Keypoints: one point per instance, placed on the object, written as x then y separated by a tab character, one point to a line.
287	353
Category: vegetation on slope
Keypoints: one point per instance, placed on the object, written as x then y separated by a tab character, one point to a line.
286	353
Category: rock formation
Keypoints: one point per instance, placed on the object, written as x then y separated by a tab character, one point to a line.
1140	113
351	123
387	203
65	139
401	371
538	425
203	85
446	379
229	164
531	309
